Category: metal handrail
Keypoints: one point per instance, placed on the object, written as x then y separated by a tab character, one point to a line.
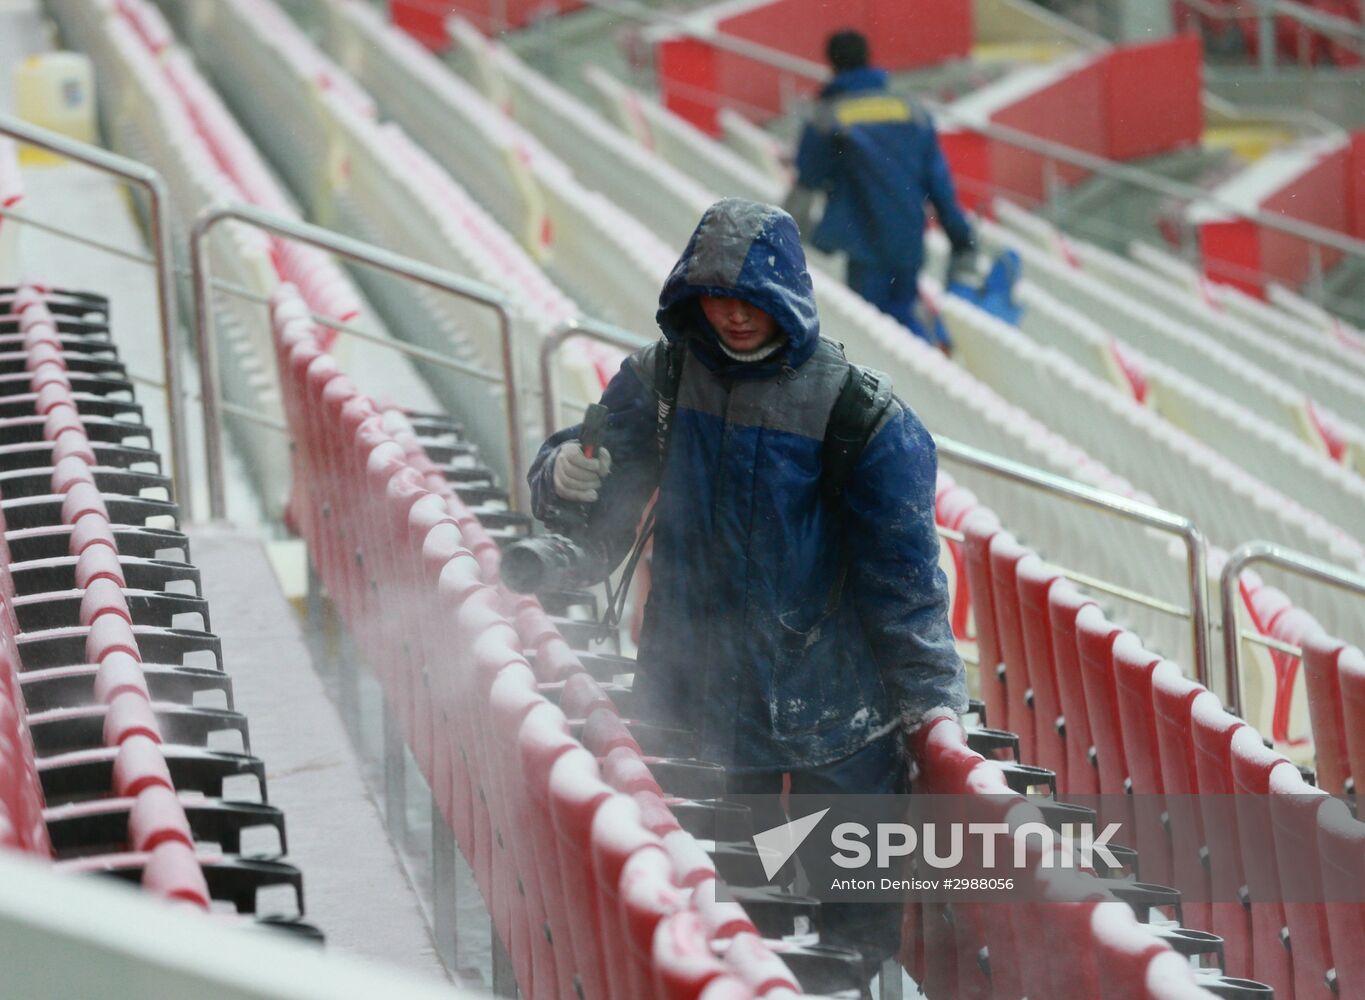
1285	558
159	231
351	249
1146	180
397	346
1196	548
580	326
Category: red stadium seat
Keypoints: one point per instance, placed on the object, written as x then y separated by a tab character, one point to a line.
979	936
648	895
82	499
138	766
758	966
1064	604
1124	949
725	988
1172	696
576	792
173	871
683	961
1096	637
542	740
1035	584
952	506
1067	916
118	674
1320	670
582	696
1252	766
1005	554
1351	682
516	900
103	597
617	835
1294	807
110	634
130	715
723	919
626	771
1168	977
98	562
1341	843
91	529
157	818
979	527
1212	730
1133	668
944	761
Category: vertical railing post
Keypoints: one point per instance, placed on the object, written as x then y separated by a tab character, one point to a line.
1052	189
504	975
445	893
786	91
1317	278
1265	33
395	775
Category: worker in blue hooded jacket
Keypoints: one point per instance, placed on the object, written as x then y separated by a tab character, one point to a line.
876	157
793	634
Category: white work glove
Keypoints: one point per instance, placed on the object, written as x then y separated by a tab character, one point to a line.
578	477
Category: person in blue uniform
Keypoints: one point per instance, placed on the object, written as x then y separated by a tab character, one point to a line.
876	157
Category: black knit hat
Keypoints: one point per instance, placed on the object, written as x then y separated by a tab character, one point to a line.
847	49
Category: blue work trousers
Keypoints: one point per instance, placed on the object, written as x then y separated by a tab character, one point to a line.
874	929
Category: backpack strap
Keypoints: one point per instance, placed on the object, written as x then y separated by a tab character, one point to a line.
863	399
668	366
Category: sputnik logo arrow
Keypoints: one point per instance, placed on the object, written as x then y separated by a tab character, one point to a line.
777	845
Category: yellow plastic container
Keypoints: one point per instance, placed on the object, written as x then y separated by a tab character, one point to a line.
56	90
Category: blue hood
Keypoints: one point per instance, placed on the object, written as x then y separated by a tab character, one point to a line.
745	250
850	81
